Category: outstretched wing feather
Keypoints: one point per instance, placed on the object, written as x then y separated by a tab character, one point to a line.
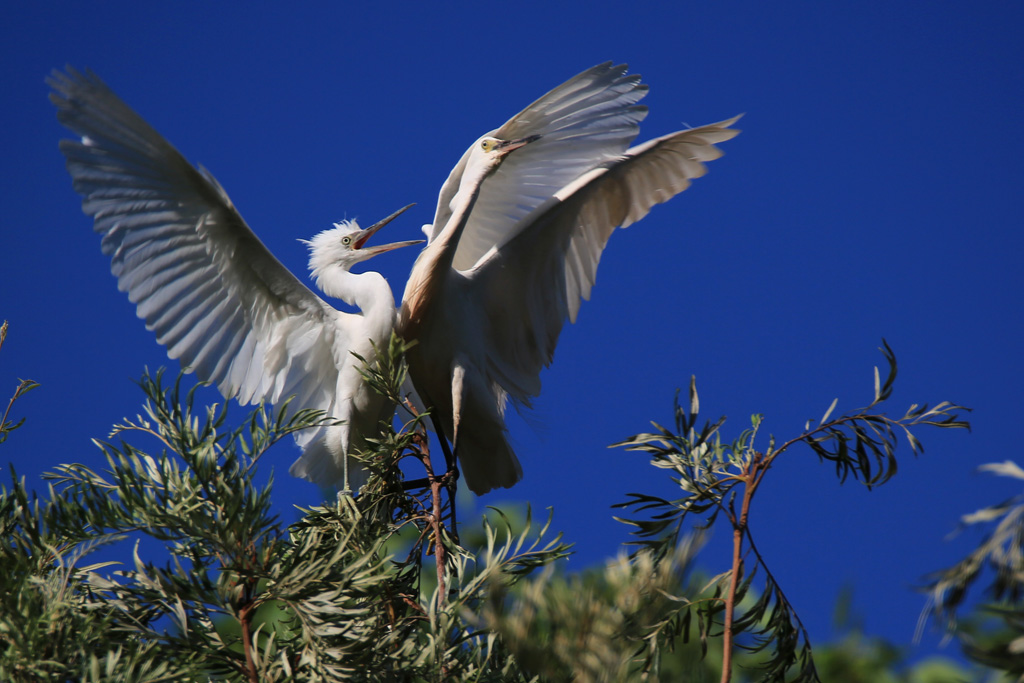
540	276
199	277
588	120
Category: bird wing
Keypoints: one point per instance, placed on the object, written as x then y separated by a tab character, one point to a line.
586	121
538	278
204	283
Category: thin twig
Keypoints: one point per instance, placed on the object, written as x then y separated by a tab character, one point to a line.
435	517
739	527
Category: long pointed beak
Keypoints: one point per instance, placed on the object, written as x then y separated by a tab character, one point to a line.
365	235
509	145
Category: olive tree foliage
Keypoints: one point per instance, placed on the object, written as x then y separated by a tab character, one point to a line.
720	478
342	594
172	565
7	424
992	635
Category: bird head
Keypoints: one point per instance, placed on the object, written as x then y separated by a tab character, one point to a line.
345	244
488	152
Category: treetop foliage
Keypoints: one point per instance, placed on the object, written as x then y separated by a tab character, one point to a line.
385	586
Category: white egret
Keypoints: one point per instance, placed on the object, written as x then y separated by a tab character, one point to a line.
519	229
213	294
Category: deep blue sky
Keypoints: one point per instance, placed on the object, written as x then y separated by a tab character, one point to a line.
875	192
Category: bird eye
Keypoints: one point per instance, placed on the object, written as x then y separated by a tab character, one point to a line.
346	240
487	145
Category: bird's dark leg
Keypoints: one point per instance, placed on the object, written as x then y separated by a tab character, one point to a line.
449	459
452	473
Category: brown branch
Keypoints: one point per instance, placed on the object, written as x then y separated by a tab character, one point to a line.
440	552
435	518
246	560
739	530
245	619
17	393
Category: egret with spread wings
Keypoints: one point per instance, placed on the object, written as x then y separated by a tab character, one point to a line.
211	291
518	233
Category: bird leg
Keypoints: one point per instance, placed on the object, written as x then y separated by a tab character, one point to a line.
346	489
449	459
450	476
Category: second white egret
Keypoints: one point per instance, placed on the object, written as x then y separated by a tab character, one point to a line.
518	233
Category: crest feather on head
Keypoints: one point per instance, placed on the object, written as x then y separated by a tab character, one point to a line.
326	247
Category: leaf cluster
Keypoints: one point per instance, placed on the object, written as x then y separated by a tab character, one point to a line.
995	635
24	386
862	443
613	624
343	594
171	565
717	478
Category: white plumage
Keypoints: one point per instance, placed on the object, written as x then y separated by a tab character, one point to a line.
212	293
519	229
515	244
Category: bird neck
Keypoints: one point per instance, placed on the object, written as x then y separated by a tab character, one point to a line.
464	200
366	291
436	260
463	203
